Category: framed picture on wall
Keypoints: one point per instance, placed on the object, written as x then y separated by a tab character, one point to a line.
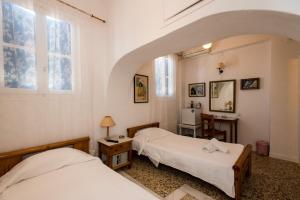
141	89
197	90
250	84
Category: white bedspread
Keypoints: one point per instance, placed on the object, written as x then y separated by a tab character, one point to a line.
89	180
187	154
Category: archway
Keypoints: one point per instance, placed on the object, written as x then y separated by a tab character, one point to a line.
120	93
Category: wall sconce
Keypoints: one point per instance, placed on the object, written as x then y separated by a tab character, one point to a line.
221	67
207	46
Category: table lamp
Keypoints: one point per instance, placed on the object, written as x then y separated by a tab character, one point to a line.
107	122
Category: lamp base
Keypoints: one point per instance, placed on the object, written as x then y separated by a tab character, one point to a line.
110	139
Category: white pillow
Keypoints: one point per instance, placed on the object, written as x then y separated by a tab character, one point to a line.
144	136
42	163
153	133
145	131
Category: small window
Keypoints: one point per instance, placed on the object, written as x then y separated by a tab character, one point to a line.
19	60
59	55
164	76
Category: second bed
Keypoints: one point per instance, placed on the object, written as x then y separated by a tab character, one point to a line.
224	170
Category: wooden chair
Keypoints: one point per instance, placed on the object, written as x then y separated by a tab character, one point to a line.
208	128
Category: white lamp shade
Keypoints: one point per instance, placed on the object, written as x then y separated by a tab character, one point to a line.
107	121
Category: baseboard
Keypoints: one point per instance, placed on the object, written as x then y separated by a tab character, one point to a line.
284	157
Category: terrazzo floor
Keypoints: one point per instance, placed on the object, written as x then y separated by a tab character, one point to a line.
271	179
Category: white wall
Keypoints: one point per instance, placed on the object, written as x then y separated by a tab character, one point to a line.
142	21
172	8
284	108
243	62
237	41
34	119
138	34
270	113
159	109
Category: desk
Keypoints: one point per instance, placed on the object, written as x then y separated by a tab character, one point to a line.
233	122
193	127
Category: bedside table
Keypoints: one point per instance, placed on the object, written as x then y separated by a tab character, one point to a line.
116	155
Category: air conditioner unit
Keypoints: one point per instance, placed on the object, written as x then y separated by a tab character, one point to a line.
194	52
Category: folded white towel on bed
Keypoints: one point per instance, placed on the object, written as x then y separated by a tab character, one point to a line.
210	147
219	145
215	145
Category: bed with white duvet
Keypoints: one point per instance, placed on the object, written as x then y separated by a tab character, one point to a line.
67	174
188	154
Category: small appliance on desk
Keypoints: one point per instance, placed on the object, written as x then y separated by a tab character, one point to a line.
190	119
107	122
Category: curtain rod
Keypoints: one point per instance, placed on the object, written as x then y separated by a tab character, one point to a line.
82	11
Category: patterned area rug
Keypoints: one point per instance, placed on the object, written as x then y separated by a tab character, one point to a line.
185	192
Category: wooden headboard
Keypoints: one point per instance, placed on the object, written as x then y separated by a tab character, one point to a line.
9	159
131	131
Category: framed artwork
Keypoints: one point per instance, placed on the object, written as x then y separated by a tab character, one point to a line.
141	89
197	90
250	84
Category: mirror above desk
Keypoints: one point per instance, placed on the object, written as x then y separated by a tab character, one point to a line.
222	96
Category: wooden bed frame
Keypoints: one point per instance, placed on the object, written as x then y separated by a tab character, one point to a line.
242	167
9	159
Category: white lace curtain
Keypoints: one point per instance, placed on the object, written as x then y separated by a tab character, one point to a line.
164	106
165	75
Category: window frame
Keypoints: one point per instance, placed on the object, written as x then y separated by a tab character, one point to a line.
41	53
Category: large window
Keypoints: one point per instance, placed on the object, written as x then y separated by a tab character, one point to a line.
18	27
164	76
59	55
20	30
